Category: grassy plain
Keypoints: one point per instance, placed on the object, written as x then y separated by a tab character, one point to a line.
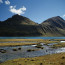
54	59
24	42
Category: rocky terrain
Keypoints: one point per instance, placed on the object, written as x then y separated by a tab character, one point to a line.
22	26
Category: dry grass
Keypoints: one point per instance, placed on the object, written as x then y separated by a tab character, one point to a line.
58	45
54	59
22	40
59	39
16	44
26	42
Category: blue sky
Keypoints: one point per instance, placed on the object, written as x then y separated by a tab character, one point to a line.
36	10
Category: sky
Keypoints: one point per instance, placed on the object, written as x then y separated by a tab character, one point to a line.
36	10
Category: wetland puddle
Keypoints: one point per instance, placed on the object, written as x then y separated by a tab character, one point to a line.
18	42
23	53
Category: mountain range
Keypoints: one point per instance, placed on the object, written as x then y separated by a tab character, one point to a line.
22	26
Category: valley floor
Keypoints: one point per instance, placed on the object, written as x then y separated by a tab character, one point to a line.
51	59
15	42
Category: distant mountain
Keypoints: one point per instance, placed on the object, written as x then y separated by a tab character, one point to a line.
55	21
54	26
22	26
19	20
19	26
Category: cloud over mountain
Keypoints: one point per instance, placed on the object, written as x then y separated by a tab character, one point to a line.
63	15
1	1
7	2
17	11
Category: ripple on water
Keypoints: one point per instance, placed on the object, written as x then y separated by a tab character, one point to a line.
10	54
59	50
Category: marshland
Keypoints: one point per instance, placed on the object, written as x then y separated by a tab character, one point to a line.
32	51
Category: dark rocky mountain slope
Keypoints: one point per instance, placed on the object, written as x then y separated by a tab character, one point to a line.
21	26
54	26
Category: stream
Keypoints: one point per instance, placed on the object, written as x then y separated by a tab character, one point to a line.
23	53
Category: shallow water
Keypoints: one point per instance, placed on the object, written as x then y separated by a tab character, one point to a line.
52	44
62	41
10	54
17	42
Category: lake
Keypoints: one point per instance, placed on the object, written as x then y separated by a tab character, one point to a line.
32	37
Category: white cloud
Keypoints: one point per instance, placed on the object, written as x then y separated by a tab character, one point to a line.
17	11
63	15
7	2
1	1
